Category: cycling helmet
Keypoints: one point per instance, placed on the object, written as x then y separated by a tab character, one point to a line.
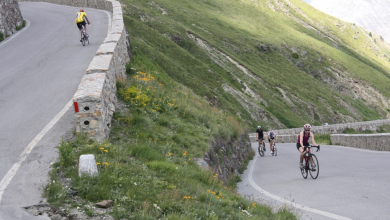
258	127
271	131
307	126
81	10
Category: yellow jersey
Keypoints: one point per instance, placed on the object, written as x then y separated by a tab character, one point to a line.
80	17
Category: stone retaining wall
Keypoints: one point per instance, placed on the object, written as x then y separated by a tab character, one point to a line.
380	142
339	128
95	99
10	17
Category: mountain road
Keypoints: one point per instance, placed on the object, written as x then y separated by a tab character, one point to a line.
41	67
352	183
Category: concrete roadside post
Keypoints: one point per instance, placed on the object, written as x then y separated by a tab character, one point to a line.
87	165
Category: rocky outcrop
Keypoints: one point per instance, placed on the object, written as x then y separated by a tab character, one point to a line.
228	158
10	17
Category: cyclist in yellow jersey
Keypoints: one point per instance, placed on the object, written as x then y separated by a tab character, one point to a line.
80	16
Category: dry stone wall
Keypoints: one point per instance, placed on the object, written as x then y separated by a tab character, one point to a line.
365	141
378	142
95	99
339	128
10	17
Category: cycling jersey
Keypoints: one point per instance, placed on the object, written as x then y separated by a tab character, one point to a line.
260	132
271	136
305	139
80	17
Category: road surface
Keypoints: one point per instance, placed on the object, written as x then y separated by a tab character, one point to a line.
40	69
352	183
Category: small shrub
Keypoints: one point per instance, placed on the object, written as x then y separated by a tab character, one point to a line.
67	157
295	55
163	166
349	131
146	153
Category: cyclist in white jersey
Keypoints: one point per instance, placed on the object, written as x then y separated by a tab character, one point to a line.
272	136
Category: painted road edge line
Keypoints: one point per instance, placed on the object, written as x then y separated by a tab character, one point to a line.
11	173
293	204
16	34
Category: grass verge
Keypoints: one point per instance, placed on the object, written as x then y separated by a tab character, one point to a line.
148	167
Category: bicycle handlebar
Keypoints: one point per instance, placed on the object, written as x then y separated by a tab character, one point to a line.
318	147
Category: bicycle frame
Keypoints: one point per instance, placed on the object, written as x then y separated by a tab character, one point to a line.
311	163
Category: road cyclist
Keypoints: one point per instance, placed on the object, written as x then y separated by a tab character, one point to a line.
271	138
260	138
81	17
303	144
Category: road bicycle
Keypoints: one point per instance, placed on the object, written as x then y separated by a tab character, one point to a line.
84	36
261	148
310	163
274	147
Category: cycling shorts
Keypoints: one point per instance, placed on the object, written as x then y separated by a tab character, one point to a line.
79	25
305	146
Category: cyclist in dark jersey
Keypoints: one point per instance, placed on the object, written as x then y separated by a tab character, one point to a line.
303	142
260	135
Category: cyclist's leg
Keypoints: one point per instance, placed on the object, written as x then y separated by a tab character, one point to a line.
262	139
85	26
79	26
302	151
270	144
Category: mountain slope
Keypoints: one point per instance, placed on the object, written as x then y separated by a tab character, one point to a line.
370	14
277	63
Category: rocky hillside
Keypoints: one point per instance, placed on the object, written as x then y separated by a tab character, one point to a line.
279	63
371	14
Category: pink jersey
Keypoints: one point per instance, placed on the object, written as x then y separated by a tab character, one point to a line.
305	139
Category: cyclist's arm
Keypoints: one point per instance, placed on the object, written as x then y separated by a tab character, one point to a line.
301	138
85	16
312	139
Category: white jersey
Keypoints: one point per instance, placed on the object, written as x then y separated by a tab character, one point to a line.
271	136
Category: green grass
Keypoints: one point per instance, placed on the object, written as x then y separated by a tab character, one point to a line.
180	97
148	167
3	35
353	131
243	37
383	129
322	139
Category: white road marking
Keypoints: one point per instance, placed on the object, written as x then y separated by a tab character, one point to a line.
292	204
11	173
14	35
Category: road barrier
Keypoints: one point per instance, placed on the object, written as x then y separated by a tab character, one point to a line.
95	99
378	142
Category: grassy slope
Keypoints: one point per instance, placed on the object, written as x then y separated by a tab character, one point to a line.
168	121
237	28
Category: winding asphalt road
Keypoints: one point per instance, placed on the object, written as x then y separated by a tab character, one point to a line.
40	69
352	183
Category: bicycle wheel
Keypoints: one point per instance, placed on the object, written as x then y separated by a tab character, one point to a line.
83	40
314	172
275	151
304	169
260	148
